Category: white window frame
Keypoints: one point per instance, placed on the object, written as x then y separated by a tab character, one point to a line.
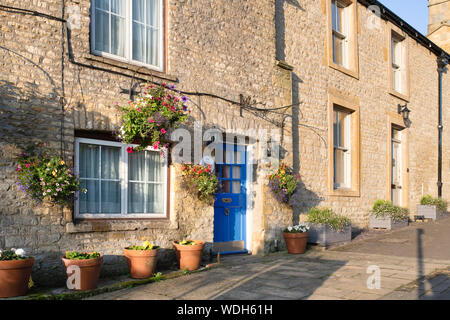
347	152
123	174
342	34
129	38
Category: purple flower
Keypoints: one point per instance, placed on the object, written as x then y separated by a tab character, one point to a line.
184	99
172	87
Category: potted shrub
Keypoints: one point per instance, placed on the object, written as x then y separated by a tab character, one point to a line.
89	265
15	271
189	253
432	208
326	227
296	238
141	260
385	215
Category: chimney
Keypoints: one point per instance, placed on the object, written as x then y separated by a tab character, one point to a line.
439	23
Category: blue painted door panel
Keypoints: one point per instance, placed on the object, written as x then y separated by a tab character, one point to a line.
230	201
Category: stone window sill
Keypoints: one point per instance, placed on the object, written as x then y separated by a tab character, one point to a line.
86	226
399	95
135	69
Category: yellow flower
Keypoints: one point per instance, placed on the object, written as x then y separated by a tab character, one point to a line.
147	245
54	172
61	162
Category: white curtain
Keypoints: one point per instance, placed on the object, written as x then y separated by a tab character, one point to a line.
145	192
88	167
110	185
146	31
94	201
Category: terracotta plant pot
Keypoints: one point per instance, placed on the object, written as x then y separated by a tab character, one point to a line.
89	271
142	263
14	277
190	256
296	242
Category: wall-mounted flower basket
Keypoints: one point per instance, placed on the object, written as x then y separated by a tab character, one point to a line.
283	183
200	181
148	120
46	177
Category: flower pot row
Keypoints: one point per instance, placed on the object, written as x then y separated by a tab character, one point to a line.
83	269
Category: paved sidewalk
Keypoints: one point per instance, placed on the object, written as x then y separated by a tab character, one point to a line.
419	240
414	263
314	275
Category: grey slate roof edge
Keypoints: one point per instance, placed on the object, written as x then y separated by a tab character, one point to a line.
411	31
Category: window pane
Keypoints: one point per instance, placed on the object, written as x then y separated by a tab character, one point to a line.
236	172
136	197
333	15
102	4
138	42
138	10
155	199
136	166
152	46
338	49
226	172
154	166
236	186
118	7
101	31
111	197
90	201
153	10
339	172
118	30
226	187
110	162
89	156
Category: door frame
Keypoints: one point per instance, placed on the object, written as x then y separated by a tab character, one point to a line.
248	187
396	120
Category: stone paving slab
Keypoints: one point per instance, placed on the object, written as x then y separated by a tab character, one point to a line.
279	276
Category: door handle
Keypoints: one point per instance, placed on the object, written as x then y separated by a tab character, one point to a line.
227	211
226	200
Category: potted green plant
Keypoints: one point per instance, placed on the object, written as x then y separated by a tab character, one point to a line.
15	271
432	208
296	238
385	215
141	260
189	253
327	227
86	266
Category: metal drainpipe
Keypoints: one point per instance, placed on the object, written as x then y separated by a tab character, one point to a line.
442	63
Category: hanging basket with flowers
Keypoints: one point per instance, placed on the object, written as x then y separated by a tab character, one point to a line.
45	177
201	181
283	183
147	121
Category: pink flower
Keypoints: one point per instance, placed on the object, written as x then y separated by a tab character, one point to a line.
156	145
138	109
151	120
163	130
130	149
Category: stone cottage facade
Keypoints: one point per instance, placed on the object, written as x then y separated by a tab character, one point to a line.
310	63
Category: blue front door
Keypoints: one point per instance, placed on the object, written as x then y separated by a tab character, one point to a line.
230	201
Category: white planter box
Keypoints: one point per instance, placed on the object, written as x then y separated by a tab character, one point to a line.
429	212
386	223
324	235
